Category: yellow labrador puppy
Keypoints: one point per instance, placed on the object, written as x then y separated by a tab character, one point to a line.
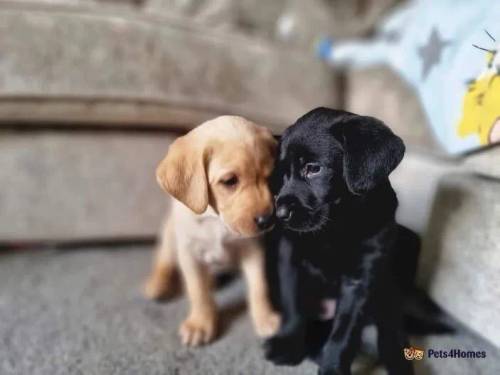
217	174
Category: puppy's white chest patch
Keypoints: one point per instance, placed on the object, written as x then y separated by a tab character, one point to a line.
211	242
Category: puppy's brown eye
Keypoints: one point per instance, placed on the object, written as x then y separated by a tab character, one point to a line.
311	169
230	181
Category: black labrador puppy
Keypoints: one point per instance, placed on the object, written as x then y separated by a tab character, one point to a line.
336	241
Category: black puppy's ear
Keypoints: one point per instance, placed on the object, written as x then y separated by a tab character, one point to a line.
371	151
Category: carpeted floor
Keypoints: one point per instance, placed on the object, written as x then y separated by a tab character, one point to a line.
81	312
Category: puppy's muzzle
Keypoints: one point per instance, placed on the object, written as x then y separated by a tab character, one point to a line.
285	207
284	212
265	221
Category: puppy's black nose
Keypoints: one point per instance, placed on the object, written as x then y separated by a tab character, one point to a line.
284	213
264	221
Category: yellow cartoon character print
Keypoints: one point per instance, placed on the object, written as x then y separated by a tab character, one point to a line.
481	104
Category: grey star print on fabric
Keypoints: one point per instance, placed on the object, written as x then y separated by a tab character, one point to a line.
430	54
392	36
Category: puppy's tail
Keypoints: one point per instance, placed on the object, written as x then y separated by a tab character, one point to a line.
423	317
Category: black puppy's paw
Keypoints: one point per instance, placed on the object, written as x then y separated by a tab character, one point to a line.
284	349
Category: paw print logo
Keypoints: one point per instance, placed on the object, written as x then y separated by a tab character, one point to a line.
412	353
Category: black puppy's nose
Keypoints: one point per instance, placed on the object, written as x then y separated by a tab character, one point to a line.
264	221
284	213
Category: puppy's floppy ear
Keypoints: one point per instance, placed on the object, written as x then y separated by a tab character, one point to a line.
371	151
182	173
269	139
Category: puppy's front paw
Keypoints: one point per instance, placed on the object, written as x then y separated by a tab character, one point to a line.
198	329
267	324
285	350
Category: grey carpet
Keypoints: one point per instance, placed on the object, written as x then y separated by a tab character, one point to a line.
81	312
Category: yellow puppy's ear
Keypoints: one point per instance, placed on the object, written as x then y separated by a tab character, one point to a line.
182	173
269	139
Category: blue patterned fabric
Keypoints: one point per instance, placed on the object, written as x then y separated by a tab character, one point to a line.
430	43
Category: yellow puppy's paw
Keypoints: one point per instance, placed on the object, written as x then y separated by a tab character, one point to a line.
267	324
198	330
